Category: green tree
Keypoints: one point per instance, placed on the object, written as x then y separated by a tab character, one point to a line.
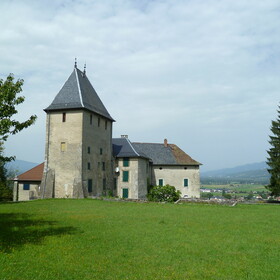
207	195
9	99
5	190
9	89
164	194
273	160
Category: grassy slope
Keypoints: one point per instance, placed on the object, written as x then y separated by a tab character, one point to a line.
88	239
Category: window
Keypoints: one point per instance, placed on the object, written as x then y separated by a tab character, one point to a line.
125	162
106	124
101	151
88	165
125	193
63	147
103	166
26	187
104	184
160	182
115	183
125	176
88	150
186	182
90	119
90	185
98	122
63	117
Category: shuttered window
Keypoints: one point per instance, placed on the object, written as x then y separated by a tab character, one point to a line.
125	162
125	176
186	182
160	182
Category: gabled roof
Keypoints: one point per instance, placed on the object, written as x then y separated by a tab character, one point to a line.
78	93
34	174
161	154
122	147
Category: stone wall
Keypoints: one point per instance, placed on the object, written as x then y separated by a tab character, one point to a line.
175	175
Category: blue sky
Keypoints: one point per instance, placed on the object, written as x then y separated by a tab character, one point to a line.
203	74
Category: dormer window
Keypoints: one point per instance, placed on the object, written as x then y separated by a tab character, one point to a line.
63	117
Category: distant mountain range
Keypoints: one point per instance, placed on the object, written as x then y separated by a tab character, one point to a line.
249	173
19	166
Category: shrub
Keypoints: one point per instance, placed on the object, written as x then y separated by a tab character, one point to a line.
164	194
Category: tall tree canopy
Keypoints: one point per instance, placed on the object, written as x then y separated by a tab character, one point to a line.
9	89
273	160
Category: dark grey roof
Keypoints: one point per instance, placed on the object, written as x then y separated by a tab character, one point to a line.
78	93
122	147
164	155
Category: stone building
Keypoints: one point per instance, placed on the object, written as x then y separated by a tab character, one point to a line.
83	160
27	184
78	157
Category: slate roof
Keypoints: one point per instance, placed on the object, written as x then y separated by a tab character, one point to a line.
34	174
122	147
161	155
78	93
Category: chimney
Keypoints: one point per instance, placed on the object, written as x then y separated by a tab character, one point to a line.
165	143
124	136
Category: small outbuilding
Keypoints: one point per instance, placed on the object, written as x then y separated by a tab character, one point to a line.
27	184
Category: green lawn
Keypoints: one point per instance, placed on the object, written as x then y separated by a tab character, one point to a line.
93	239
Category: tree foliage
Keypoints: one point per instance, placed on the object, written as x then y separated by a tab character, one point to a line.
273	160
5	190
8	102
164	194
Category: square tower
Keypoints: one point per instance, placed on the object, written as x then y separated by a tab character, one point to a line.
78	152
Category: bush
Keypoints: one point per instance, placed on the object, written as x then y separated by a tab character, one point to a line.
6	194
164	194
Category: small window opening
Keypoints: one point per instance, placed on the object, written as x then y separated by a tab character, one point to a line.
63	117
63	147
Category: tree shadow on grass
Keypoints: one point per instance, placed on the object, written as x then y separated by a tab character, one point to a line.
19	229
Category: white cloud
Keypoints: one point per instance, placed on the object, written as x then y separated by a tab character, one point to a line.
204	74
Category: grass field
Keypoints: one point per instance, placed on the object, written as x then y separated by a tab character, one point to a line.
93	239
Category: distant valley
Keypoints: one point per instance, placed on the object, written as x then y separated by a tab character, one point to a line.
249	173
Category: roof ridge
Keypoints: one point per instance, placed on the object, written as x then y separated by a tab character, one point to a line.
79	88
132	146
151	143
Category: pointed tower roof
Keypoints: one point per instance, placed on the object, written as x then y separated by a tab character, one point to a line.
78	93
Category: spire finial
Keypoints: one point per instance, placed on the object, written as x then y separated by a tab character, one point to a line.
75	65
85	66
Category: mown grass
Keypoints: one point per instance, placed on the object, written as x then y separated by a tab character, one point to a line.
92	239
